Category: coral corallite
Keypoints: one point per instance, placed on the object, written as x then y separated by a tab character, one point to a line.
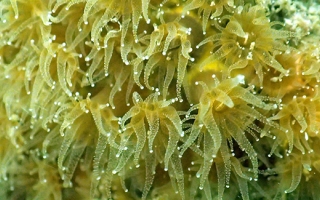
159	99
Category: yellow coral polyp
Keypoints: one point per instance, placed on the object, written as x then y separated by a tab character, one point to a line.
248	40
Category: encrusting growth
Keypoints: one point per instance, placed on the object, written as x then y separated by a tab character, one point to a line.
159	99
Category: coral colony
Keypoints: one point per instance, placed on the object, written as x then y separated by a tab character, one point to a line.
159	99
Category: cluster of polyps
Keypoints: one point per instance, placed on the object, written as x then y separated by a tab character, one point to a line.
104	91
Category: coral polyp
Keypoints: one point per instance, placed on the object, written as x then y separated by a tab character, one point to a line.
159	99
156	127
248	39
226	113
